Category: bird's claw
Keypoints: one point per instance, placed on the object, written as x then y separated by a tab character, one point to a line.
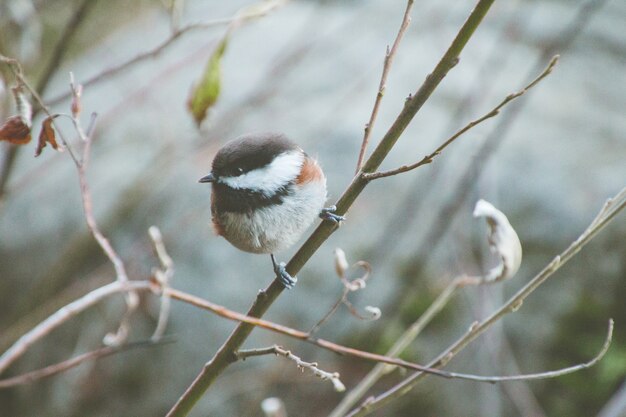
281	273
328	213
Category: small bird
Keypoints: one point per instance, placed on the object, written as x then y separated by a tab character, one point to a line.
266	192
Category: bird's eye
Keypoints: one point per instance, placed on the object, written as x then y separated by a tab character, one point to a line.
239	171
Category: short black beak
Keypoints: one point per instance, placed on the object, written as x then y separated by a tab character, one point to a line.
207	178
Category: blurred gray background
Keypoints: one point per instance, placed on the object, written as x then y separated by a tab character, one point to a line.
311	69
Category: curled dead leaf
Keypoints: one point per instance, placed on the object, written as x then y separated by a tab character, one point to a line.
15	131
503	241
47	135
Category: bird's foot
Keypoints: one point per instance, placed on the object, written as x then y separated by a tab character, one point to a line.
328	213
281	273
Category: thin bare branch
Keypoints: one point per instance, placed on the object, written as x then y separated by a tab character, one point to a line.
558	372
341	267
562	371
293	333
132	299
311	366
398	347
492	113
344	350
251	13
72	309
163	276
64	314
333	309
68	364
389	55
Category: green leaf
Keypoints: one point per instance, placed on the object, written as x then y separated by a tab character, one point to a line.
205	93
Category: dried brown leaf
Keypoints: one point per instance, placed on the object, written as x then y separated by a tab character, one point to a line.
47	135
15	130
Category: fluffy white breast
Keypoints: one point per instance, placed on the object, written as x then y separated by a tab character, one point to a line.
268	179
274	228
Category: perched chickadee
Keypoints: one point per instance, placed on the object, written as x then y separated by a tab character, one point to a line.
266	192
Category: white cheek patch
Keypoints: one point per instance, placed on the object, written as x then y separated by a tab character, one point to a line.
283	169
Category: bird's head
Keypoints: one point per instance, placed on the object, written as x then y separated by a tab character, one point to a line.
259	162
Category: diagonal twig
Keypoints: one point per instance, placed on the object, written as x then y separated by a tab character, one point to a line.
68	364
174	36
356	284
389	55
492	113
311	366
64	314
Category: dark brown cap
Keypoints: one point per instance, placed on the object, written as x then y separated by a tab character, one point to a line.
249	152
